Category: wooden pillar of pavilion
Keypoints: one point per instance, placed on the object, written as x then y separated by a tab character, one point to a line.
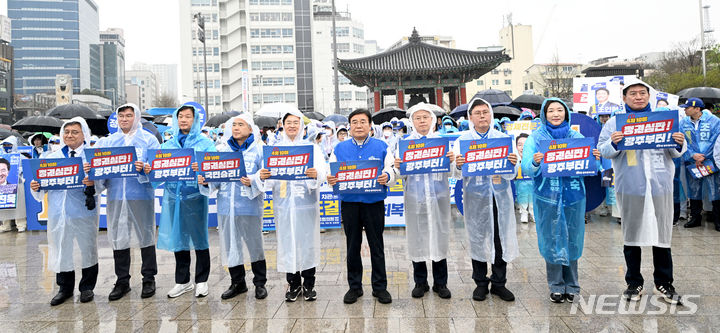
439	96
401	98
377	99
463	94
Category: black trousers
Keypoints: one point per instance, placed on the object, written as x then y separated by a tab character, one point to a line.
308	279
259	269
499	266
66	280
662	262
355	217
122	264
182	266
439	270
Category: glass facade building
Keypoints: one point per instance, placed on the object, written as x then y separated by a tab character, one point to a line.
50	38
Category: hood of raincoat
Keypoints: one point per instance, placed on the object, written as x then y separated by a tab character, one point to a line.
248	120
13	140
195	133
299	138
424	107
41	136
473	103
544	125
526	115
83	125
136	122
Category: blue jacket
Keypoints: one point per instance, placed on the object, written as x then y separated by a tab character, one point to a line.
372	148
702	139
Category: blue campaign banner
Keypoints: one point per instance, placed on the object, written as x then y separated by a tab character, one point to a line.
357	176
288	162
329	210
647	130
707	168
9	177
111	162
221	166
55	173
486	157
25	150
568	157
424	156
168	165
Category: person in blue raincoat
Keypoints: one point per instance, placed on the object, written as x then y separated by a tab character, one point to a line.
184	217
240	209
72	219
297	213
701	130
39	143
559	204
523	186
489	211
130	205
447	126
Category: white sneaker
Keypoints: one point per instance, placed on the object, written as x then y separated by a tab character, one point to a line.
180	289
21	229
201	290
524	217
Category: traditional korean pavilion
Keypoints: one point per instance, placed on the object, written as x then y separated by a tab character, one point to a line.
420	68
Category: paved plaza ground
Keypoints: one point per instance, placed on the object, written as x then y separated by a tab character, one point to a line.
26	287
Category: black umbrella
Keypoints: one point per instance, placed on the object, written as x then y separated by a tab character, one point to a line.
506	111
459	111
494	97
38	124
263	121
4	133
706	94
529	101
314	115
161	119
217	120
96	122
387	114
150	127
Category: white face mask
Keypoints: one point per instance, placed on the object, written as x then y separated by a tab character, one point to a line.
387	134
448	127
328	131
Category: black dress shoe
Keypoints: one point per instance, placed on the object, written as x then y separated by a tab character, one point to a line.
234	290
420	290
260	292
86	296
383	296
352	295
442	291
148	289
503	293
692	224
119	291
480	293
60	298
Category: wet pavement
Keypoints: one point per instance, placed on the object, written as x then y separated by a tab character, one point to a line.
26	287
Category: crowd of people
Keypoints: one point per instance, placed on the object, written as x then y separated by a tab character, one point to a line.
647	183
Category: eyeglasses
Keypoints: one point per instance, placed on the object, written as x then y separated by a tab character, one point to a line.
359	122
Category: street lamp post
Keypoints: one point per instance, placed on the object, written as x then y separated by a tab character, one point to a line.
258	79
201	37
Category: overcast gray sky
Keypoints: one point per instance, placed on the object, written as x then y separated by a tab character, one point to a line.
579	31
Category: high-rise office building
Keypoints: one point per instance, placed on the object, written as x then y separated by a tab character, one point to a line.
53	37
166	76
111	54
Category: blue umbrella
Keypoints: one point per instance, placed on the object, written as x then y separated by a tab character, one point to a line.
459	111
336	118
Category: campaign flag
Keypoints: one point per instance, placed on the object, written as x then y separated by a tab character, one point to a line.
568	157
486	157
424	156
111	162
647	130
56	173
707	168
357	176
169	165
221	166
288	162
9	176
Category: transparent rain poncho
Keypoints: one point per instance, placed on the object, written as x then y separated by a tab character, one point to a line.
701	140
130	200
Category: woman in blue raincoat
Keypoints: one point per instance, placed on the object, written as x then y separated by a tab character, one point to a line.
559	204
240	208
130	205
72	224
184	218
524	186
